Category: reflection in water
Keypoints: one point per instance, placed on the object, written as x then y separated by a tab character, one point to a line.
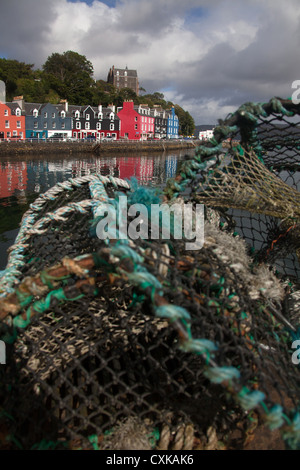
22	181
36	176
13	177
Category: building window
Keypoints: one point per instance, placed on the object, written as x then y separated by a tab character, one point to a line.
15	133
135	118
35	113
87	125
63	114
45	115
78	126
87	117
6	112
135	126
18	112
35	124
53	125
77	114
18	124
112	127
45	125
63	125
53	115
100	115
98	126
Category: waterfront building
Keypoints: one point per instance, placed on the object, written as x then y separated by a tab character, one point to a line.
123	78
12	121
206	134
160	121
136	121
46	120
64	121
173	125
95	122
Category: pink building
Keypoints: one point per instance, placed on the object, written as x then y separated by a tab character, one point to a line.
136	121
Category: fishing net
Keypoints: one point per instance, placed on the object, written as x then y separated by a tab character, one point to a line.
141	343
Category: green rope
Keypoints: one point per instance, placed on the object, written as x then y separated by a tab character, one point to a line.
42	306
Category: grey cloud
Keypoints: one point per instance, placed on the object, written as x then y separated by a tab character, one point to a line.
153	16
264	69
23	26
225	76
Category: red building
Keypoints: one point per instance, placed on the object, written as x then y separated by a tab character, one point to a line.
12	122
136	121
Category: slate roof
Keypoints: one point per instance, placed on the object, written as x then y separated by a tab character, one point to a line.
13	107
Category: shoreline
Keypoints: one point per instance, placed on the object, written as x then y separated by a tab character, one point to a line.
69	148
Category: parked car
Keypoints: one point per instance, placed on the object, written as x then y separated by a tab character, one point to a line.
58	136
107	138
14	138
90	138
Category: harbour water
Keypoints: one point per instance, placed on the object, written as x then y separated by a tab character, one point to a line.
22	179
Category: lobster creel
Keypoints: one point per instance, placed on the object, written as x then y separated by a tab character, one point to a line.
121	342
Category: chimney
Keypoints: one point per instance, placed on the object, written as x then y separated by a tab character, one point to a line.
20	101
66	104
100	108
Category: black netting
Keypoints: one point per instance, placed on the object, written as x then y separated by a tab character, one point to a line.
143	344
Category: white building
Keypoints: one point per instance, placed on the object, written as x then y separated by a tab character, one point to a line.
206	135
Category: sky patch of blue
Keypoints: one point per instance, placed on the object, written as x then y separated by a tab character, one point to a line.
109	3
194	14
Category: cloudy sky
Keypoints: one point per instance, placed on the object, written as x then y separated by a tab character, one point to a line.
208	56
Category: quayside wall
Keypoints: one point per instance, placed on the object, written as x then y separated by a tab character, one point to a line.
36	148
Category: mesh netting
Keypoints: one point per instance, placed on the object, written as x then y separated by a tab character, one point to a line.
141	343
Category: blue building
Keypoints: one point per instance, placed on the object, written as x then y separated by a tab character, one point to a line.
173	125
45	120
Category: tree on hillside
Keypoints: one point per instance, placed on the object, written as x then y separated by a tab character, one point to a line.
22	79
71	76
186	122
11	71
102	92
156	98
